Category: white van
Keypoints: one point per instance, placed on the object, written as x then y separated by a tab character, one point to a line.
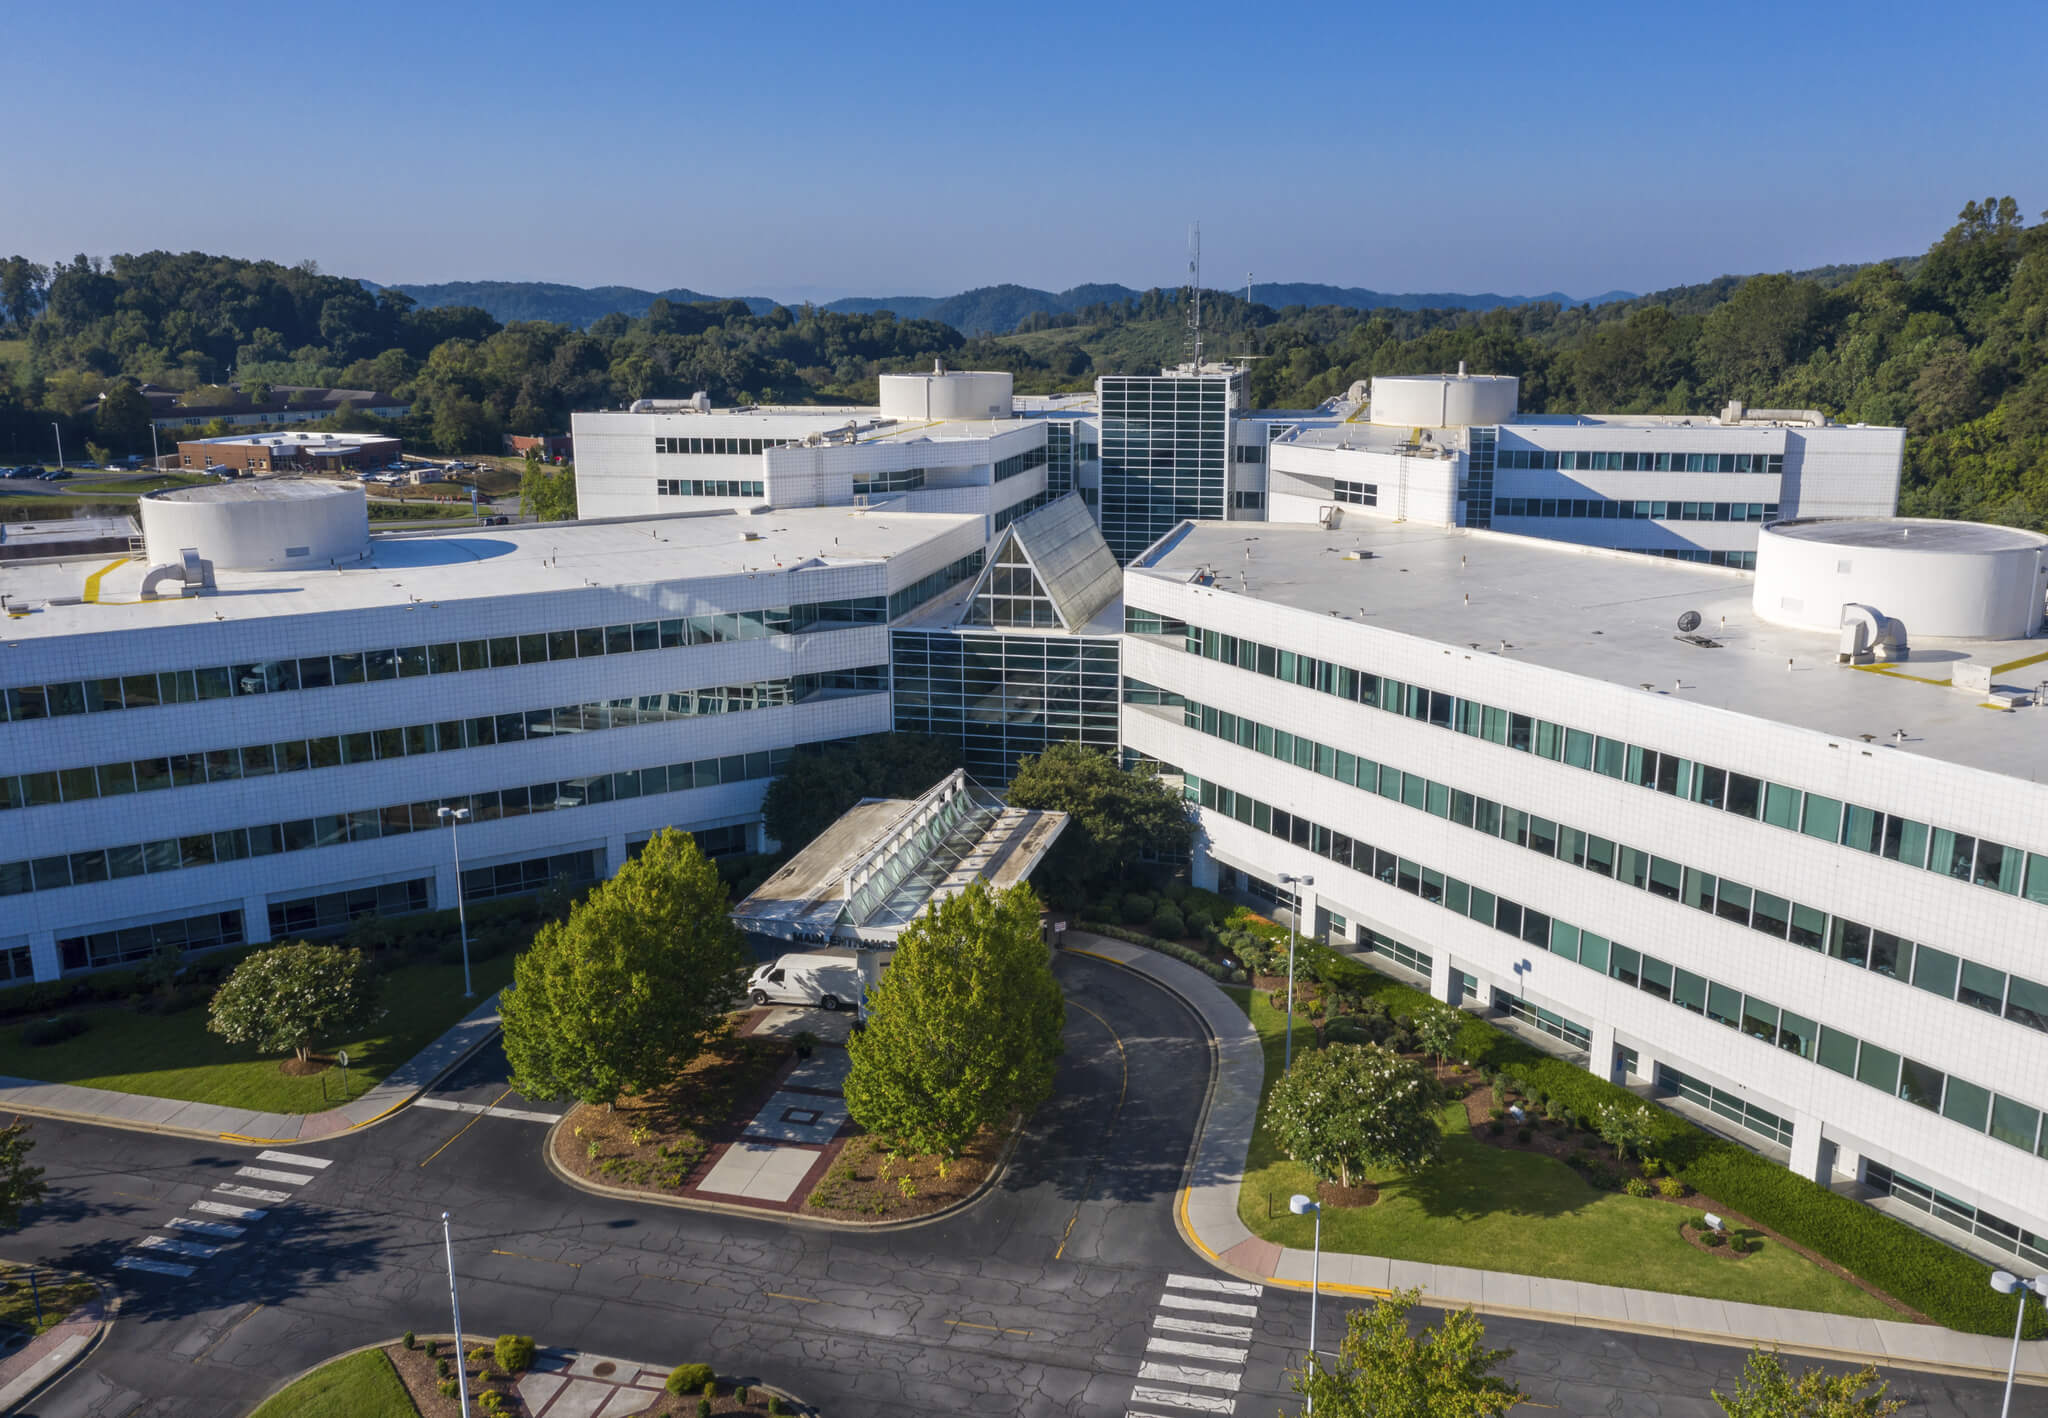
827	981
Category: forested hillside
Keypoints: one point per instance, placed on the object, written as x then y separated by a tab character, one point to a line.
1952	344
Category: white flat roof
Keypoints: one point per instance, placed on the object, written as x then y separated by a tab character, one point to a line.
1612	616
478	563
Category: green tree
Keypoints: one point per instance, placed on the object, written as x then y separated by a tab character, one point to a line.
291	997
823	780
1383	1371
1437	1028
1348	1108
547	494
1628	1128
23	285
123	417
1766	1390
623	994
1116	815
964	1029
20	1184
98	453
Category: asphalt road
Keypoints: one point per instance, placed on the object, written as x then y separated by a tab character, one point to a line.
1038	1300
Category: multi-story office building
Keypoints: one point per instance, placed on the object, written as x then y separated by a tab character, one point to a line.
1697	826
1167	445
942	442
268	754
1452	450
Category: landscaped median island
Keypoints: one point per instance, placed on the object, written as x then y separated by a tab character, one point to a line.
1549	1194
145	1030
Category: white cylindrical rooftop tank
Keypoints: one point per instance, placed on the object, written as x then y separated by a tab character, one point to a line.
274	525
1443	400
1945	580
967	394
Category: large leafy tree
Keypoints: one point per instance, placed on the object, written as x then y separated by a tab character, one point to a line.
1384	1371
1348	1108
20	1184
619	997
547	494
824	780
292	997
1117	815
964	1029
1767	1390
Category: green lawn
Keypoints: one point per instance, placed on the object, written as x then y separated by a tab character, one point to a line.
173	1055
60	1292
1494	1209
361	1386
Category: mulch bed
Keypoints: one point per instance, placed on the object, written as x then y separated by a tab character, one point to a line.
1332	1194
862	1184
1695	1233
423	1380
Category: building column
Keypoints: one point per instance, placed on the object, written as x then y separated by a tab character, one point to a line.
1441	981
1813	1156
42	954
446	884
1201	866
255	920
1600	1055
614	853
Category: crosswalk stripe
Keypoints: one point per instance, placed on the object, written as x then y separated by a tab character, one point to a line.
521	1115
1174	1398
1219	1287
222	1208
1222	1354
206	1228
1183	1374
251	1193
1215	1331
178	1248
296	1159
154	1267
1214	1307
269	1174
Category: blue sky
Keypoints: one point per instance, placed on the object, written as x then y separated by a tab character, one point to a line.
823	149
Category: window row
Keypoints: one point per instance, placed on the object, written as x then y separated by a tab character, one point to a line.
1587	460
1973	1106
902	480
1251	452
720	447
93	950
1598	508
1981	987
263	760
333	910
1958	1213
1739	560
709	487
1546	1021
1720	1101
1015	510
1007	468
41	701
336	829
533	874
1357	494
1959	855
925	587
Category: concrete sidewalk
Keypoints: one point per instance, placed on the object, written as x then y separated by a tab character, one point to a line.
1208	1216
242	1125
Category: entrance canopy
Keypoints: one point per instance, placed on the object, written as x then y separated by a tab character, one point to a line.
870	873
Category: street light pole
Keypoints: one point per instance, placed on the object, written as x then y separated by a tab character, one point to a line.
1302	1206
455	1308
2006	1283
451	816
1294	920
156	459
59	433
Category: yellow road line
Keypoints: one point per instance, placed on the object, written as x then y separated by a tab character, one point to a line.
92	582
800	1299
522	1255
1125	1060
228	1331
992	1329
466	1127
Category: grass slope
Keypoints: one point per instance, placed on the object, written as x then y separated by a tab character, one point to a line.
1494	1209
173	1055
360	1386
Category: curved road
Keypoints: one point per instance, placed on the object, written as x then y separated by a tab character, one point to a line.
1038	1300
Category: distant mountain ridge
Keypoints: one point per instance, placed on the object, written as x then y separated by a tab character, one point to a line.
987	310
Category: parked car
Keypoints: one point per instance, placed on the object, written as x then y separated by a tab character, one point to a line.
26	470
497	521
56	475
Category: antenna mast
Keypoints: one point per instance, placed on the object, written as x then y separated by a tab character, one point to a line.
1195	288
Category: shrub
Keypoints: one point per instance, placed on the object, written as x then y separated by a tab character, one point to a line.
711	1389
1740	1244
739	1395
1712	1238
515	1352
703	1408
442	1366
1670	1187
1496	1127
689	1378
1181	953
449	1389
1168	923
433	1347
54	1030
1136	909
1637	1187
1522	1134
775	1405
410	1340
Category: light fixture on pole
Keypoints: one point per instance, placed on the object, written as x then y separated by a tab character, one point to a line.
2006	1283
1294	920
1302	1206
455	1309
451	816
